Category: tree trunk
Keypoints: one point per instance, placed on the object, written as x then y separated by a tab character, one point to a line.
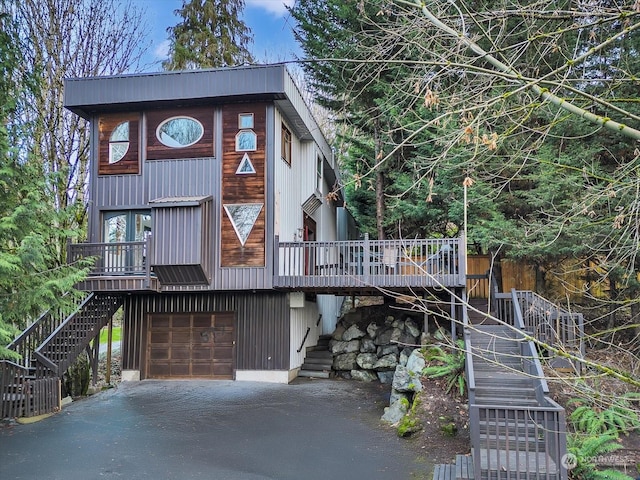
380	185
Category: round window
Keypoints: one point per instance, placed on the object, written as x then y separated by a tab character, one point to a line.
178	132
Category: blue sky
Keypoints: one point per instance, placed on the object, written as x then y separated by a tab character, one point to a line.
268	20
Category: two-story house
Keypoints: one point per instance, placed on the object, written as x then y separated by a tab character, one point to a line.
194	176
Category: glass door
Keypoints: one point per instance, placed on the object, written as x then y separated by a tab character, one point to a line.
125	230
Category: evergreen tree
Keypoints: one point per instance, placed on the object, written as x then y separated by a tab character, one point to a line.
211	34
32	280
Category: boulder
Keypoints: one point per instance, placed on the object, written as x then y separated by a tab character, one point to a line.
387	349
416	362
404	381
345	361
363	375
366	361
385	377
337	333
397	323
372	329
411	328
407	339
396	395
388	362
338	347
395	412
404	356
367	345
352	333
384	336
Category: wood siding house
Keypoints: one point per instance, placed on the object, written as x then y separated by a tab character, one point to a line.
210	214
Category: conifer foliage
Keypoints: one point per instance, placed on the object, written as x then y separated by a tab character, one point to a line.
31	278
211	34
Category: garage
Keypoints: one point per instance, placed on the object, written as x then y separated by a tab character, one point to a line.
196	345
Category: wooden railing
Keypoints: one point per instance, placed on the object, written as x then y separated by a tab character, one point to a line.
510	440
116	258
72	336
519	442
31	338
550	323
374	263
13	379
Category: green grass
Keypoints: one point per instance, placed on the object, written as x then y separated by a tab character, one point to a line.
115	337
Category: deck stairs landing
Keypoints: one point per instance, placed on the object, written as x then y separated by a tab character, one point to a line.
318	360
48	347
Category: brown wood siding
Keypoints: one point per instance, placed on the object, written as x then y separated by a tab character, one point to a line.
186	345
239	189
262	325
130	164
204	148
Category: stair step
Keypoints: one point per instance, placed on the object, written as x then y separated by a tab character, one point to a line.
313	366
313	374
513	402
319	354
464	467
444	471
318	348
319	361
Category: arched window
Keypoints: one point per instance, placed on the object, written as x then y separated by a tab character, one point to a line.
119	142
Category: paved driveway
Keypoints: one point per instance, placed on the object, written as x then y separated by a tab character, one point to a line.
311	429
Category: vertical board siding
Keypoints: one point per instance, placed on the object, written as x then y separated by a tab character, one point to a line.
301	320
262	325
178	236
118	191
243	189
180	178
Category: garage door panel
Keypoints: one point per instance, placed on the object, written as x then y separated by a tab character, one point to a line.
181	337
159	353
191	345
160	337
180	369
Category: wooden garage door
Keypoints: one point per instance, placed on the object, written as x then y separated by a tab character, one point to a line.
199	345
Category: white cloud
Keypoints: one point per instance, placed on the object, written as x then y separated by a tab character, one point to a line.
161	50
275	7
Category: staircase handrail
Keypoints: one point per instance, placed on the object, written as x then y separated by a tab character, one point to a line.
570	329
25	343
529	351
38	351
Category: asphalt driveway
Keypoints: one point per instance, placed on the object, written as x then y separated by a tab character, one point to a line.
311	429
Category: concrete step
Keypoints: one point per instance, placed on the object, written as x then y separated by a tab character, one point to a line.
319	361
313	374
313	366
319	354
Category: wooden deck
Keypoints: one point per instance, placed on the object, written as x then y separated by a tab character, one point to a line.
355	266
345	267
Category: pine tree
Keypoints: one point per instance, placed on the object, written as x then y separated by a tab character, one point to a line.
211	34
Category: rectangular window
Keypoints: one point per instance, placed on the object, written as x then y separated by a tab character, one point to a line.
286	145
319	173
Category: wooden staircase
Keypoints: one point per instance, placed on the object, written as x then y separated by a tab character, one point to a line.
318	360
47	348
517	432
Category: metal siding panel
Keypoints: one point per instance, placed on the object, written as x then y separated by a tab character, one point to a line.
119	191
172	86
262	324
183	177
301	319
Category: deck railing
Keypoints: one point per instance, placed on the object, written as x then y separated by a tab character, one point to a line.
510	440
113	258
375	263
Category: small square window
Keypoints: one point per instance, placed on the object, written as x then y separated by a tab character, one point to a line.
245	120
286	145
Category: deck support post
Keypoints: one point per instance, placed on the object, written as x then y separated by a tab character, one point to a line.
454	333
